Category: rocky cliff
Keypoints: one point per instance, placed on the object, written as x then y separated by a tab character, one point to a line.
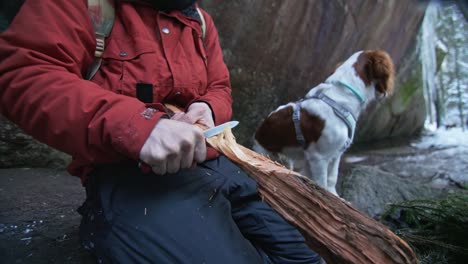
20	150
277	50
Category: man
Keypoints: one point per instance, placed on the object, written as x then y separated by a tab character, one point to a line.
194	207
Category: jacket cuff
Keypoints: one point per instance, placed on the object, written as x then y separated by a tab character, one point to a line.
131	138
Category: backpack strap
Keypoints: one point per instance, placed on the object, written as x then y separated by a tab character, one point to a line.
203	23
102	15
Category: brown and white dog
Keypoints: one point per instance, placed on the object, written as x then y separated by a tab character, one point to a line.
310	135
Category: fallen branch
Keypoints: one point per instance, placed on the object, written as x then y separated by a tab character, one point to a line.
331	227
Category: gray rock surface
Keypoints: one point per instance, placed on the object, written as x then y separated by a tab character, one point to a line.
38	218
277	50
370	189
20	150
371	179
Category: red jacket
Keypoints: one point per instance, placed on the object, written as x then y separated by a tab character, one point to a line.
48	48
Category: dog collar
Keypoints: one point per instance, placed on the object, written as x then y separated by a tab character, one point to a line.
349	87
296	117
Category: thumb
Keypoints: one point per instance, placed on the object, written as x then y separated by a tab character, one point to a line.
178	116
191	117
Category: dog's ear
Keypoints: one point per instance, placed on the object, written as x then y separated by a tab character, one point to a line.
376	66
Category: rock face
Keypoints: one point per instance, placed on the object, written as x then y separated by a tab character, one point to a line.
277	50
20	150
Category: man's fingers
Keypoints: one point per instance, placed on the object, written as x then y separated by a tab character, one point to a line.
178	116
191	118
173	164
201	113
160	168
187	159
200	153
173	145
200	148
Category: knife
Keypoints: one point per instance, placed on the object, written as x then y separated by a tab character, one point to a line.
211	132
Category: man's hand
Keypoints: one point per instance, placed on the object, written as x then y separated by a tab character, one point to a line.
173	145
197	113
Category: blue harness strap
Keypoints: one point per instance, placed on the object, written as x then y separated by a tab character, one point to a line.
342	112
296	117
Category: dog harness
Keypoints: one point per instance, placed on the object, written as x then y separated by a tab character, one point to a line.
296	117
341	111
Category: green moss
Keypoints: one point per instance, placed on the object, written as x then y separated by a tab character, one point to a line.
411	86
407	91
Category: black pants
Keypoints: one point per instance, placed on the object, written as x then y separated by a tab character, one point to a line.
210	214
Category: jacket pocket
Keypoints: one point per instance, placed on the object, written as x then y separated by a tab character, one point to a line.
126	63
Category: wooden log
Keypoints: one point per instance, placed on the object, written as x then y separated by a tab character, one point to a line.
332	227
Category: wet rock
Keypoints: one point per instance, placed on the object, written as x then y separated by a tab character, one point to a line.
429	165
371	189
372	176
20	150
31	231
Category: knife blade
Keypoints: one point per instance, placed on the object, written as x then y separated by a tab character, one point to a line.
211	132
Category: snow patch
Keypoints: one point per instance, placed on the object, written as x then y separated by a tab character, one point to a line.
439	138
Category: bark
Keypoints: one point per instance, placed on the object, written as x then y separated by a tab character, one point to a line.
331	226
